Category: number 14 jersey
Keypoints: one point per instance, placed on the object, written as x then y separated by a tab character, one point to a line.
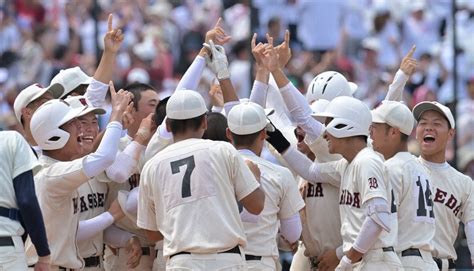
188	192
413	196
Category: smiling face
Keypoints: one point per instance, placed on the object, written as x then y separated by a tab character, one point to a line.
147	104
433	133
90	130
335	145
73	146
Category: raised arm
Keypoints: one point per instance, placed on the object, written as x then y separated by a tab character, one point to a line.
259	90
407	68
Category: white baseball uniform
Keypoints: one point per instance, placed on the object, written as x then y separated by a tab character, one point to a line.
189	194
56	187
453	199
363	179
92	196
282	200
118	262
17	158
416	221
319	235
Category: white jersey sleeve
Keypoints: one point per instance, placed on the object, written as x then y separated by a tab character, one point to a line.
291	202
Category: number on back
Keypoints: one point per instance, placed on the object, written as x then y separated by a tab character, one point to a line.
175	168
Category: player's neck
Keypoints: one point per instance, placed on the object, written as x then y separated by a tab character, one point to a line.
187	135
400	147
28	136
254	148
439	157
353	147
60	155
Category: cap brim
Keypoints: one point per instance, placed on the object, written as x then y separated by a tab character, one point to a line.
422	107
95	110
353	87
56	90
376	117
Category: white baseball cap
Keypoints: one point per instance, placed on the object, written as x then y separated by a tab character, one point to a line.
81	102
248	118
395	114
420	108
71	79
31	93
185	104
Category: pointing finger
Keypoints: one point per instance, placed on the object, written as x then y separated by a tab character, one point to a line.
109	22
412	50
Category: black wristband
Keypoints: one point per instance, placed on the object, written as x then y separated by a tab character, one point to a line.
278	141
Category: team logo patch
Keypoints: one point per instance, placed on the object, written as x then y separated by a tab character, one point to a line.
373	183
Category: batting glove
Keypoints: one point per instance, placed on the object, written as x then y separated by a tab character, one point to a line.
218	63
345	264
277	140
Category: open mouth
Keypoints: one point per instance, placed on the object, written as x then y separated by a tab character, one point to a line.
87	139
429	139
79	139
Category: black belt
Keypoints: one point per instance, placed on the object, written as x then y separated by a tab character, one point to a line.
252	257
235	250
439	262
6	241
92	261
388	249
411	252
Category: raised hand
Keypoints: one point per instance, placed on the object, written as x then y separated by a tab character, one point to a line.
217	62
217	98
408	65
127	116
270	56
113	38
254	168
146	130
284	50
217	34
120	102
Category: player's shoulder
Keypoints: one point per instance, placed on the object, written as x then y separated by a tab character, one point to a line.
368	155
12	137
54	168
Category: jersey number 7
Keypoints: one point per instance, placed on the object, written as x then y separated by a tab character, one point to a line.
190	165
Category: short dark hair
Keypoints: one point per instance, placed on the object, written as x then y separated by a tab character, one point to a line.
160	111
403	137
182	126
245	140
136	89
216	127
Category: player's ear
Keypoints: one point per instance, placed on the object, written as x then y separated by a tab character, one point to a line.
228	134
263	135
204	122
451	134
168	127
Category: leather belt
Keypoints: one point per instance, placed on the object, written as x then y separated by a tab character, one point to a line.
235	250
92	261
252	257
388	249
439	262
411	252
6	241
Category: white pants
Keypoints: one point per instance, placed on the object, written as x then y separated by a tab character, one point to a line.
13	257
417	263
159	264
300	262
207	262
264	264
378	260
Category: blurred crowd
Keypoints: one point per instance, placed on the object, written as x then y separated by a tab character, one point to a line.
363	39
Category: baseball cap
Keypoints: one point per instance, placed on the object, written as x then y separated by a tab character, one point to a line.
420	108
248	118
71	79
31	93
395	114
81	102
185	104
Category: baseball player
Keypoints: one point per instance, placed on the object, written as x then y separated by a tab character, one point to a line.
75	82
126	175
392	124
366	206
19	208
57	131
26	103
188	193
452	191
247	131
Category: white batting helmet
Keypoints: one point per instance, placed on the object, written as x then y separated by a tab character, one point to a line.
46	121
351	117
329	85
